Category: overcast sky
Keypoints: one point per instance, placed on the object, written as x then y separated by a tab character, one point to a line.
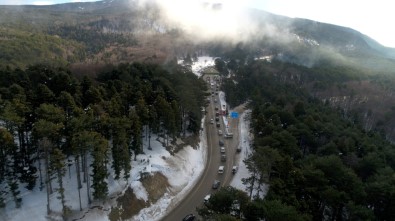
373	18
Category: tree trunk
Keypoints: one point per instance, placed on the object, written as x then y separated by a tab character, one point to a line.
61	190
86	175
83	156
47	184
252	183
79	185
39	167
149	138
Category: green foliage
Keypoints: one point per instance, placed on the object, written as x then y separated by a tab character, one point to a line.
318	165
53	114
20	49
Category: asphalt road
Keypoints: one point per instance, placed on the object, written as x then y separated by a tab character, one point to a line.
210	173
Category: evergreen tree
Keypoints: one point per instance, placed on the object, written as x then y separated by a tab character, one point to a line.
57	167
6	167
120	147
99	167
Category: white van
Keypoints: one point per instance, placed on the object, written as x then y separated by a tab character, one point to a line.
228	135
221	169
207	198
234	169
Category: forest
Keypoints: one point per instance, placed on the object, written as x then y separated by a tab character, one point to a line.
49	116
318	165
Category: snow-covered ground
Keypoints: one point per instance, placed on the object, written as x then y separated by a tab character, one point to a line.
182	170
245	144
201	63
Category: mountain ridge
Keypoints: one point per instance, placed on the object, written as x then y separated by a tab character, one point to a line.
308	42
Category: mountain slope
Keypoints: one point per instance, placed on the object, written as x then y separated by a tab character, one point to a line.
114	31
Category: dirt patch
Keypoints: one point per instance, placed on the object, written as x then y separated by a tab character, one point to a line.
174	147
128	206
156	186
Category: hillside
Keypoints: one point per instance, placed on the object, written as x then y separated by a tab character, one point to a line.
122	31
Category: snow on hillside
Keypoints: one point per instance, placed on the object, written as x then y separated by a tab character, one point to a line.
202	62
182	170
245	144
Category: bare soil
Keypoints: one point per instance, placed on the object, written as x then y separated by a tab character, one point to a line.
156	186
128	206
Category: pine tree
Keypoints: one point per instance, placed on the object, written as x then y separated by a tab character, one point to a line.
6	143
120	149
99	168
57	166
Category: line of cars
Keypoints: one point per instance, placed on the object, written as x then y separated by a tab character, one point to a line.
216	183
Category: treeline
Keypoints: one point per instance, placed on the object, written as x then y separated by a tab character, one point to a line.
93	36
47	116
19	48
318	166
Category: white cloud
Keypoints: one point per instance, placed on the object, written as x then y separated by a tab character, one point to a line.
207	19
373	18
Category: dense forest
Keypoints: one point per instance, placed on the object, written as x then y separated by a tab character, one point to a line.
318	164
49	116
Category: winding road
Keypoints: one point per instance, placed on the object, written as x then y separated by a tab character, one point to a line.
203	186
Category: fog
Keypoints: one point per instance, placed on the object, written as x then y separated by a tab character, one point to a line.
209	20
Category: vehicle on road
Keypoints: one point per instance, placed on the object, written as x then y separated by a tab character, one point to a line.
220	132
221	169
211	121
228	135
206	198
234	169
222	149
216	184
223	157
221	143
189	217
218	124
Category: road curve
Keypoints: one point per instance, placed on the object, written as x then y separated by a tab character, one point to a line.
203	186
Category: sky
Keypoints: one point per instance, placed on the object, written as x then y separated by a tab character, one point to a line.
372	18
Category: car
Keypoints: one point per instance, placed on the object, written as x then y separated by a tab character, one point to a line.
220	132
216	184
222	149
221	169
234	169
218	125
221	143
207	198
189	217
223	157
211	121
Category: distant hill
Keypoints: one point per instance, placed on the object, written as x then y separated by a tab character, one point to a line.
114	31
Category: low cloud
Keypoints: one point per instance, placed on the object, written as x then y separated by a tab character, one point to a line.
209	19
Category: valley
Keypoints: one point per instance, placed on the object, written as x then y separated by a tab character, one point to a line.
101	115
